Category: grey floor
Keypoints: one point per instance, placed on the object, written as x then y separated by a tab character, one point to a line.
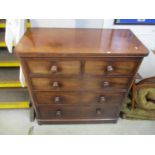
14	122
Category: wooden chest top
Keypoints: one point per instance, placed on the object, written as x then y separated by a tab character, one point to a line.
66	42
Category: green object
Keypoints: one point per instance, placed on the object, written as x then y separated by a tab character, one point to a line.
136	113
146	98
141	103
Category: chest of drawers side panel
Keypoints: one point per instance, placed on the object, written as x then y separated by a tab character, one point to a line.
26	71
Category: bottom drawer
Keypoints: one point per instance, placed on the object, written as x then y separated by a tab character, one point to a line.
78	112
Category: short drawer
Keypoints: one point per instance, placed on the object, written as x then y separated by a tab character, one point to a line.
72	112
51	67
78	98
72	84
109	67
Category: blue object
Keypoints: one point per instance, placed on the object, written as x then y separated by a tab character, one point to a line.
134	21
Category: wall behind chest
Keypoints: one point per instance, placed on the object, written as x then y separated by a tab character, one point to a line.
69	23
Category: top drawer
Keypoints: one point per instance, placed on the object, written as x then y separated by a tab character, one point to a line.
54	67
111	66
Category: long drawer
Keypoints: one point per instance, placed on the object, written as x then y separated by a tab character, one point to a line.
77	84
73	112
77	98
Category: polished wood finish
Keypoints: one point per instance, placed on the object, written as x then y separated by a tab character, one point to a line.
110	67
79	75
78	98
54	67
79	42
80	84
93	112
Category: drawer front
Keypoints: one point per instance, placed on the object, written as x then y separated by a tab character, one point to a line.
105	67
54	67
59	84
67	112
77	98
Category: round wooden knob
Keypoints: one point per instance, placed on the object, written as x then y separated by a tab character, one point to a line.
110	68
57	99
55	84
106	84
102	99
54	69
58	112
98	111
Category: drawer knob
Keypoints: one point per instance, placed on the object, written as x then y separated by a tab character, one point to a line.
110	68
102	99
55	84
57	99
106	84
58	112
98	111
54	69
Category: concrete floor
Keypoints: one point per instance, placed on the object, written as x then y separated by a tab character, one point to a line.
14	122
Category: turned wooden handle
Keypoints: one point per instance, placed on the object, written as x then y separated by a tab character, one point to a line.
58	112
54	69
57	99
110	68
106	84
55	84
98	111
102	99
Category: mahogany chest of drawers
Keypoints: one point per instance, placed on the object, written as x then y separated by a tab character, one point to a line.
79	75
